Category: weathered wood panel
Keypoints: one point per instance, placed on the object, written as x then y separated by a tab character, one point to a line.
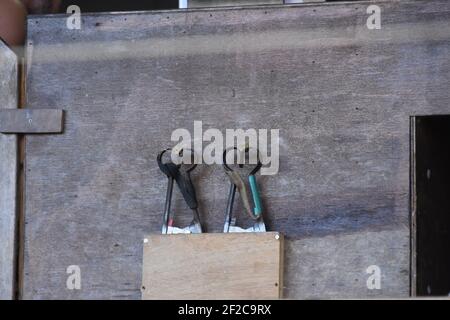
31	121
8	175
213	266
341	95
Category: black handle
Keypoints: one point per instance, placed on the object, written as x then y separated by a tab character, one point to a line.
185	185
187	189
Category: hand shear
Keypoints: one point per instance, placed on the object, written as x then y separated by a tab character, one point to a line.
184	182
237	183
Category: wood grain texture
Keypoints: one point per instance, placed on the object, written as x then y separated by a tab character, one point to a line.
336	265
31	121
341	95
213	266
8	175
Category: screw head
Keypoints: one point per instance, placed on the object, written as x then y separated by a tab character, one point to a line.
145	240
277	237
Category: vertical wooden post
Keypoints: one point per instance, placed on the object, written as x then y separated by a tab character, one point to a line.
8	176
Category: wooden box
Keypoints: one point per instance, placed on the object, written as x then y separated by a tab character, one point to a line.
213	266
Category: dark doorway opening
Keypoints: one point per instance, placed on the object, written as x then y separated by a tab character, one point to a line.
431	205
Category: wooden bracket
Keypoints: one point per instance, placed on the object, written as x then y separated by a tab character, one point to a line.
31	121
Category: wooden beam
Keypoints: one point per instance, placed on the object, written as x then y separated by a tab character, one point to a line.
8	176
31	121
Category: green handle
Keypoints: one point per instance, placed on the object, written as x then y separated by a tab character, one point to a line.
256	197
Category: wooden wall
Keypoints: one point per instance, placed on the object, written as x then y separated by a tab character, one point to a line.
341	95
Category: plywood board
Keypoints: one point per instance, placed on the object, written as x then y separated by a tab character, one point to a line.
213	266
8	175
341	95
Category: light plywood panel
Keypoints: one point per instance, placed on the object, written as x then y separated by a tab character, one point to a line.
213	266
